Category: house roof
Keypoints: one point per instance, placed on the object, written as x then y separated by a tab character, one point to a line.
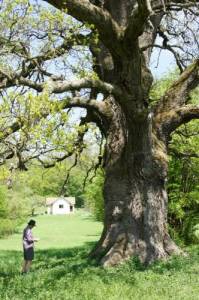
51	200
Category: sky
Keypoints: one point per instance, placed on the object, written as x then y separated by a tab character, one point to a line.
161	64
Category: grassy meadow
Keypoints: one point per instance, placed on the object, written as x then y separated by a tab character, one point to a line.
58	232
62	271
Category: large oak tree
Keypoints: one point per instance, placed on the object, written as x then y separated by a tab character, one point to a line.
137	133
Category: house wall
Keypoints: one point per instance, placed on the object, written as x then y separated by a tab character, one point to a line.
56	210
49	210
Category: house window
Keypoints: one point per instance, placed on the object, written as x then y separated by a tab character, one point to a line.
71	208
61	206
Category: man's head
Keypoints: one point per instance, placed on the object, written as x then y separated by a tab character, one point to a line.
32	223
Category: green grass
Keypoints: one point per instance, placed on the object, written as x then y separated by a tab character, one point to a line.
61	269
58	232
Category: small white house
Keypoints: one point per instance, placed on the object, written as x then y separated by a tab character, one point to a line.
60	206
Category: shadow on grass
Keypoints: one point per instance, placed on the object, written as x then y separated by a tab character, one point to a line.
73	263
72	259
52	265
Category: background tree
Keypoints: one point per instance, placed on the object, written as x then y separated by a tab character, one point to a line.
93	196
183	182
111	80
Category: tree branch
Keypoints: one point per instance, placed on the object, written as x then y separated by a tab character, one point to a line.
9	130
170	48
171	120
101	107
77	149
29	64
173	4
138	19
63	188
84	11
178	94
6	155
67	44
59	86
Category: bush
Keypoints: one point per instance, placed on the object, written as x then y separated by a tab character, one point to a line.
190	231
9	218
6	227
196	232
3	203
93	196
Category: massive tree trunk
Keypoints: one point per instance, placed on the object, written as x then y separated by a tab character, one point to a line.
134	193
135	164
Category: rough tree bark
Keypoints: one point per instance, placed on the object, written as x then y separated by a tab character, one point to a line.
135	161
134	192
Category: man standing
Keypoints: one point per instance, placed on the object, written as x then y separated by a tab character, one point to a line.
28	246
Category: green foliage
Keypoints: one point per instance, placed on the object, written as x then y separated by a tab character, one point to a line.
30	29
196	232
23	201
3	203
7	224
75	188
94	196
7	227
50	182
36	29
161	86
30	188
183	185
190	228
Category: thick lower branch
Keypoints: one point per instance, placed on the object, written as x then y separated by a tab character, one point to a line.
170	121
58	86
178	94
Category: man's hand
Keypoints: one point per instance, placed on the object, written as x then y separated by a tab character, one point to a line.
36	240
